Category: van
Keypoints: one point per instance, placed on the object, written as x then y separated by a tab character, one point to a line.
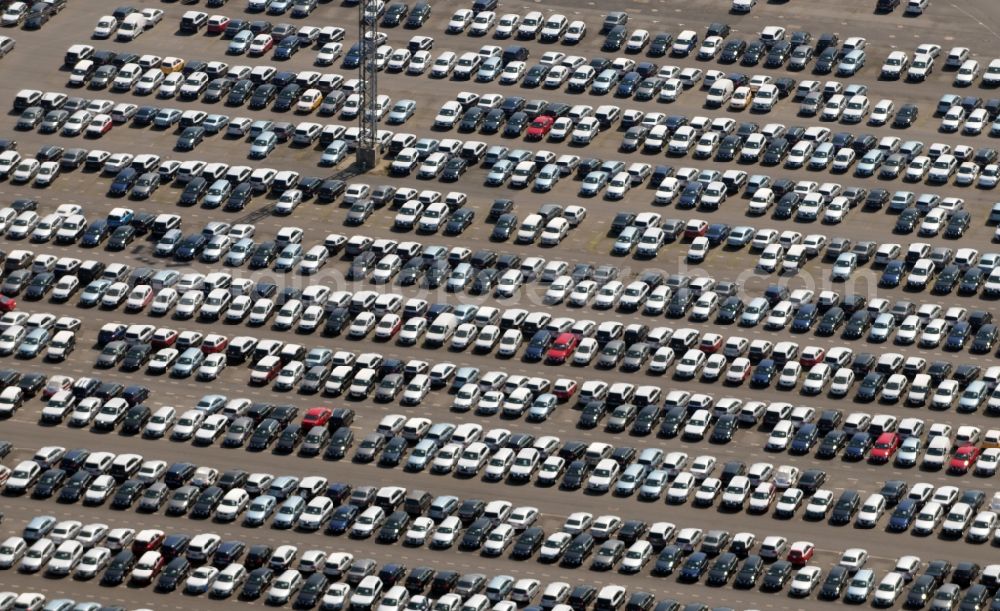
139	334
415	308
596	452
514	53
720	93
525	590
61	346
794	259
620	393
193	21
26	98
132	27
607	115
593	390
938	451
77	53
919	389
610	598
82	71
441	330
448	602
164	223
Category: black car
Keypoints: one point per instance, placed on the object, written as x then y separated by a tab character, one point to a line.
127	494
906	116
190	138
835	583
454	169
258	582
579	549
121	238
846	507
49	483
833	442
135	419
753	53
732	51
825	61
119	568
206	503
419	14
194	192
668	560
750	573
74	488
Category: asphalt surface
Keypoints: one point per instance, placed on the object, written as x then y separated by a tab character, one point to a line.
36	63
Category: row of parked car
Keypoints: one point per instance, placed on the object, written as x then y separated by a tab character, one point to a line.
573	545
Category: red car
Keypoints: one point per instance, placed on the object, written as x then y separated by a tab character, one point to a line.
812	356
101	125
265	370
316	416
164	338
801	553
154	571
695	228
964	459
540	127
885	448
217	24
7	304
711	343
563	348
389	331
150	541
214	343
565	389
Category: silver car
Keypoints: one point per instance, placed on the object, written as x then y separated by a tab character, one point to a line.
188	362
288	513
260	509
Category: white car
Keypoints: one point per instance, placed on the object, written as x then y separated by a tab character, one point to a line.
419	531
447	533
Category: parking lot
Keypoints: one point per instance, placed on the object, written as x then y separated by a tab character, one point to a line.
728	272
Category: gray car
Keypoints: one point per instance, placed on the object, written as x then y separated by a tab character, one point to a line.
260	509
288	512
389	387
240	252
422	455
182	500
611	354
34	342
359	212
656	482
188	362
154	496
755	312
401	111
632	477
238	433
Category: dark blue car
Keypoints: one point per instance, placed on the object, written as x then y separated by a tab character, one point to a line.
804	440
694	567
342	519
858	447
959	336
892	275
903	515
538	346
763	373
805	318
628	84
